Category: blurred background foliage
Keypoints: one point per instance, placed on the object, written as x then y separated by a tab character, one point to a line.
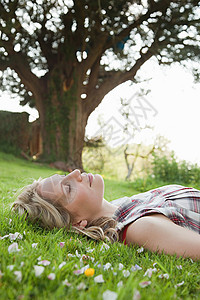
160	167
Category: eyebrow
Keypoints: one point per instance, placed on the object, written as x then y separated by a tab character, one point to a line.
38	188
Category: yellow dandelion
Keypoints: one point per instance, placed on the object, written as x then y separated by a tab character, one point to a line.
89	272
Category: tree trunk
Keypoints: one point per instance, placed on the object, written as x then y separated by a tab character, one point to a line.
63	123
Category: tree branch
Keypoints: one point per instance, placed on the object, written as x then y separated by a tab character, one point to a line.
96	95
130	168
114	78
4	64
31	81
80	33
46	47
94	52
160	6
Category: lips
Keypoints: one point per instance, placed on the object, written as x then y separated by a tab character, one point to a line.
90	176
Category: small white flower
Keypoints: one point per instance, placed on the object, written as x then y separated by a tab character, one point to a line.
9	221
22	264
109	295
121	266
10	267
89	250
99	279
179	267
120	284
166	276
77	254
78	272
86	257
144	284
18	275
140	250
104	247
51	276
71	255
107	266
179	284
3	237
34	245
84	268
66	282
126	273
81	271
44	262
81	286
154	264
135	268
149	272
136	295
38	270
62	244
61	265
14	236
13	248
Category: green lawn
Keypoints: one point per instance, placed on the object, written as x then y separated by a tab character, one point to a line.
128	272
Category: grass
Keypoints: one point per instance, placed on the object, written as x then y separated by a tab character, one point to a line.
117	264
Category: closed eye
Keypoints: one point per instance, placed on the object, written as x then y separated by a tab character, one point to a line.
69	187
66	187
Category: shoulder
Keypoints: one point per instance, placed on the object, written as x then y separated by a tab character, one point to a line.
144	228
158	233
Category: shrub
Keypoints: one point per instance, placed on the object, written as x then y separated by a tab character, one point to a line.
171	171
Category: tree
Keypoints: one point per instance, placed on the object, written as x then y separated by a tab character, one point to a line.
64	56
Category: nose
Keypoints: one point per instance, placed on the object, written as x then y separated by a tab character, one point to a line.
76	174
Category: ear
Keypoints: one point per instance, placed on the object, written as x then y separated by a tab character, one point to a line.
82	223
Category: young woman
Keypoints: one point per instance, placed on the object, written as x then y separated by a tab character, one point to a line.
164	219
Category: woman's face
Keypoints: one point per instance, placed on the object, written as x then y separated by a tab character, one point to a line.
81	194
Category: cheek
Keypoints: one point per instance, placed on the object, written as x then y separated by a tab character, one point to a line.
100	186
76	200
73	210
70	195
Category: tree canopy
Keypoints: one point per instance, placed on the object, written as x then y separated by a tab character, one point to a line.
70	54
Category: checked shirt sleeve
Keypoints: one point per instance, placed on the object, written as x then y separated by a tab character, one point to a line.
180	204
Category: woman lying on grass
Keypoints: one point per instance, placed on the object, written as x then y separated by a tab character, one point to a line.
164	219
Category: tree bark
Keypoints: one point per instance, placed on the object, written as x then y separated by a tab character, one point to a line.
63	123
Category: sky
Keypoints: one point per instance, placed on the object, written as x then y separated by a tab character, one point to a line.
172	108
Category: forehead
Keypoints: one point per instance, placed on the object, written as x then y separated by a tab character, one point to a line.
56	188
51	181
49	187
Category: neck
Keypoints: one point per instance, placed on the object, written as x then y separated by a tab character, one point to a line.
107	210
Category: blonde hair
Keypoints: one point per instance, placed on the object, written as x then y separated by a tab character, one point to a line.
50	214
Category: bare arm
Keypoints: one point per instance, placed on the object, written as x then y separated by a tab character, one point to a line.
158	233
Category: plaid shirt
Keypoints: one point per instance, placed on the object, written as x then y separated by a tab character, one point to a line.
180	204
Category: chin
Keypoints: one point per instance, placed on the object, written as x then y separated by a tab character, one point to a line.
100	180
99	177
